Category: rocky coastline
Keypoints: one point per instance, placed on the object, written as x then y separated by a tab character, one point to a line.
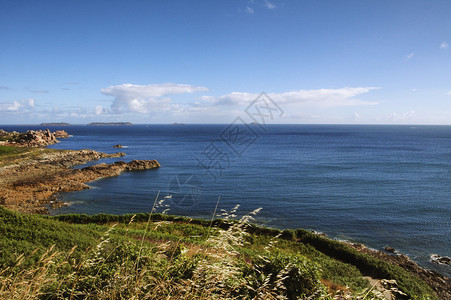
439	283
30	181
30	186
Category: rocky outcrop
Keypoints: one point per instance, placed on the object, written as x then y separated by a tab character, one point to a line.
389	249
38	138
439	283
118	146
32	138
61	134
29	186
441	260
109	170
70	158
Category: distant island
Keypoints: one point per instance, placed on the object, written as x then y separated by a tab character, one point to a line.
109	123
55	124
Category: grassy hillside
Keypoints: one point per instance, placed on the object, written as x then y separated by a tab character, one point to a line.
159	256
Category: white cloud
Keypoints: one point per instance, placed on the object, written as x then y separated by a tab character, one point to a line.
17	106
410	55
98	110
143	98
150	90
270	5
69	113
443	45
311	98
449	93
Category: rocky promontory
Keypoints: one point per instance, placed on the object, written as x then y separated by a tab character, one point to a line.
31	138
31	184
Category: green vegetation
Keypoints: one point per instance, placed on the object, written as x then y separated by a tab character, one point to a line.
10	154
157	256
9	150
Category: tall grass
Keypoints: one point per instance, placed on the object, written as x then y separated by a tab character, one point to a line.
154	256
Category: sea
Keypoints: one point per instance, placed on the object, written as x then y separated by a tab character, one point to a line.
380	185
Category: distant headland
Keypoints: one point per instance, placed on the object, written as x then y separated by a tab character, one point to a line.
109	123
90	124
55	124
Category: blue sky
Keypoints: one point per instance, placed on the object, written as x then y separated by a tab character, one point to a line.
344	62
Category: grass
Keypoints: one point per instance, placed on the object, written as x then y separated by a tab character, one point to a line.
157	256
10	155
6	151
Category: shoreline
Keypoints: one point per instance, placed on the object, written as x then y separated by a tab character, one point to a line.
440	283
31	181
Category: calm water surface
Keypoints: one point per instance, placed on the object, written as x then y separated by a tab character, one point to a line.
378	185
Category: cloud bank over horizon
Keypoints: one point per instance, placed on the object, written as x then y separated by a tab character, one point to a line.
155	100
313	98
146	98
175	102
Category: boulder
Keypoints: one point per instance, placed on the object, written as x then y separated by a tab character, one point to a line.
33	138
389	249
38	138
441	260
61	134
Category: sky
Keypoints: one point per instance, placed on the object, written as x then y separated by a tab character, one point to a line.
149	62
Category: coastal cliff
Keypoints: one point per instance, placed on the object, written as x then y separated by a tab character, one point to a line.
30	183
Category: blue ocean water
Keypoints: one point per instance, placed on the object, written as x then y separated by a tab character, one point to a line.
377	185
